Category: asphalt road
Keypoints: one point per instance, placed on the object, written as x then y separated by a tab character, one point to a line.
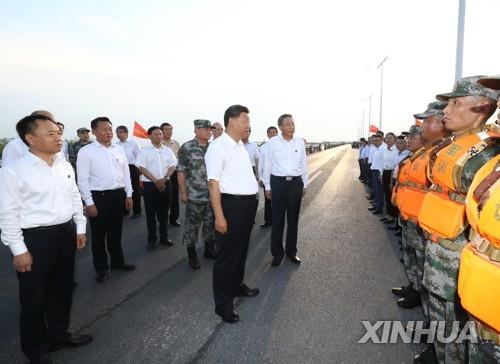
163	311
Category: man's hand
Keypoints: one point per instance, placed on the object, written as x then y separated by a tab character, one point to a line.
81	240
22	262
221	225
268	195
160	184
183	196
91	210
129	203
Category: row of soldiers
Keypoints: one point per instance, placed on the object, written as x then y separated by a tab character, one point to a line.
448	195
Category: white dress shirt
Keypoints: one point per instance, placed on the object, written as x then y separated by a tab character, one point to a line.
388	158
253	152
227	162
173	145
262	158
13	151
34	194
285	158
131	150
378	158
156	160
101	168
398	157
371	153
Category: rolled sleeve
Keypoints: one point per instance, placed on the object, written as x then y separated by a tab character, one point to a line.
182	161
214	162
83	175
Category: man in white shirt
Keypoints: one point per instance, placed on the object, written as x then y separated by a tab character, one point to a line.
376	167
64	149
131	151
104	182
272	131
167	129
285	179
217	130
253	152
233	194
42	222
157	164
388	155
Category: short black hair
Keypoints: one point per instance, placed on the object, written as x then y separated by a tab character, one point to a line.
283	117
362	140
377	136
380	132
152	129
28	125
272	128
164	125
122	128
96	121
233	112
390	133
401	137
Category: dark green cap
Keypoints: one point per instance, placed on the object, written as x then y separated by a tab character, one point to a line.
468	86
415	129
202	123
434	108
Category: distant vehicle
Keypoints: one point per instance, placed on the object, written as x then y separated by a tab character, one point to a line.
355	144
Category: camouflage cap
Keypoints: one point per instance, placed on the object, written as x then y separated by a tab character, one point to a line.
415	129
202	123
82	130
492	82
468	86
434	108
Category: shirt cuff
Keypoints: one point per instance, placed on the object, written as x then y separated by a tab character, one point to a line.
81	228
18	248
267	186
89	202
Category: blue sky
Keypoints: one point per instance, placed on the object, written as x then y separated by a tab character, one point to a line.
155	61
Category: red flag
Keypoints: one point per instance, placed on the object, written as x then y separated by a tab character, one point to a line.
373	129
418	122
139	131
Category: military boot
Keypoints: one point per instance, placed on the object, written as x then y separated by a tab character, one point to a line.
210	250
411	300
193	258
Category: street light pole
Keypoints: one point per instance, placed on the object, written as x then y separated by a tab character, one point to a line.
460	39
369	113
381	66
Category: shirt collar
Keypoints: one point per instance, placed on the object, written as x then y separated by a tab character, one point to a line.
99	145
34	159
230	140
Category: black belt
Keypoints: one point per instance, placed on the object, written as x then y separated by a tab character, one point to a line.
109	191
62	226
286	178
239	197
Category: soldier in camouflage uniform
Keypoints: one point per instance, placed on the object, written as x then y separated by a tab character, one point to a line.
73	149
193	191
469	107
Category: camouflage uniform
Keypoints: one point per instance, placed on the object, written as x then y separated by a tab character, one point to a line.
416	251
191	161
442	260
73	150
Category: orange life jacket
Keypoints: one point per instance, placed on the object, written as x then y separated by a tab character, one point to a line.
479	275
442	214
403	179
413	194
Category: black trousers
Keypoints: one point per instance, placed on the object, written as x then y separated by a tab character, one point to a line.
268	213
369	174
136	186
287	197
106	228
386	180
232	248
174	201
46	292
156	204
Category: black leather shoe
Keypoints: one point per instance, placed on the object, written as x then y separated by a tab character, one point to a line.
167	242
175	223
400	291
44	359
124	266
101	277
377	212
371	208
401	260
245	291
383	219
276	262
73	341
388	222
398	233
228	316
411	300
393	228
428	356
295	259
266	224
